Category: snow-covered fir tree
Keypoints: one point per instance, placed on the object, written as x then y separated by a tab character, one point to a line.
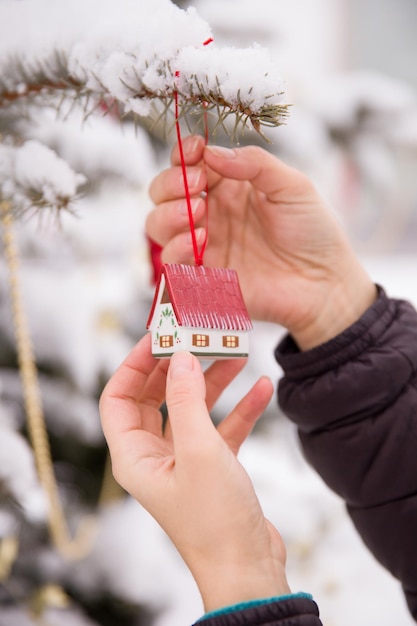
86	90
86	94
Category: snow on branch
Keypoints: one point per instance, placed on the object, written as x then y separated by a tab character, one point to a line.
18	478
33	176
129	52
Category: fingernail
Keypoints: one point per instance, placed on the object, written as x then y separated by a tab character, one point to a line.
185	244
220	151
193	177
190	144
183	207
181	363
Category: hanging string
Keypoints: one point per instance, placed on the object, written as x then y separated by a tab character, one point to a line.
198	253
206	138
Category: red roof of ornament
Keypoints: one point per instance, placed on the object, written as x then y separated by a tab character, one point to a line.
204	297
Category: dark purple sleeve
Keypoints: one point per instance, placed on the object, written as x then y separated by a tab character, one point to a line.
290	612
354	400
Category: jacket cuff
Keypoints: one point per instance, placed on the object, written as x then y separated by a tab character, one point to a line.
282	610
344	347
252	603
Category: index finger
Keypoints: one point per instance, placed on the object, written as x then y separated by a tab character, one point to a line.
123	393
169	184
193	148
268	174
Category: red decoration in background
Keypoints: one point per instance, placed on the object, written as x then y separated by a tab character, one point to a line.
155	251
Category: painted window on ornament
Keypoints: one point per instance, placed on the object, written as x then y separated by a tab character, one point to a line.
230	341
200	341
166	341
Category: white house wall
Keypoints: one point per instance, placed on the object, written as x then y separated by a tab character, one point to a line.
215	347
165	324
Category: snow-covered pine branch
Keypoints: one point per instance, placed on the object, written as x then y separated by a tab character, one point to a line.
129	52
33	176
18	480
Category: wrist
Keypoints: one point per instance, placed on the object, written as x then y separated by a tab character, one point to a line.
228	587
341	306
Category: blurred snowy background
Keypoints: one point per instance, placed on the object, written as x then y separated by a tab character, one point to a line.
349	67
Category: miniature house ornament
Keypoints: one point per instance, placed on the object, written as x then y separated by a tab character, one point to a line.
196	308
199	309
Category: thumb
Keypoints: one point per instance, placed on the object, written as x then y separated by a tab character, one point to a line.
185	398
254	164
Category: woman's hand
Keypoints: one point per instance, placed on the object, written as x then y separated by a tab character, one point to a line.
267	221
187	475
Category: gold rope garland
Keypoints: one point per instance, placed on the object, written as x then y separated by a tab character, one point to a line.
79	546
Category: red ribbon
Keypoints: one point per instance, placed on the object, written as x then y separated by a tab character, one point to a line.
198	254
